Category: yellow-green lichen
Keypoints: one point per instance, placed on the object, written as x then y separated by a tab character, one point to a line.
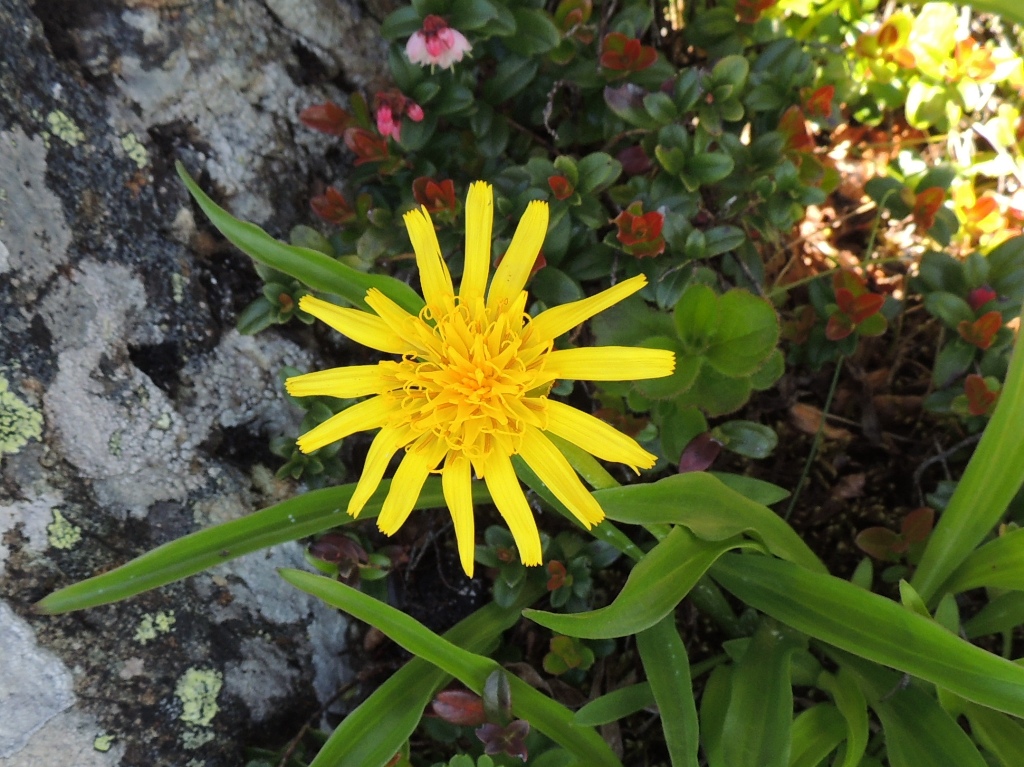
64	128
177	287
197	690
163	423
135	149
18	422
152	626
103	742
193	739
62	534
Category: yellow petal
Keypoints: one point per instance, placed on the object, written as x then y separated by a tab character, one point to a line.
479	220
383	447
362	327
434	276
353	381
609	363
397	319
420	459
553	322
362	416
595	436
458	494
555	472
503	485
514	269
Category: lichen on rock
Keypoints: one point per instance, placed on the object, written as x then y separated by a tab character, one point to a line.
18	422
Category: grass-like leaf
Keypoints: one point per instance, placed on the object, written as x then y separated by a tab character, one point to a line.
549	717
616	705
668	669
997	564
654	587
872	627
311	267
992	477
295	518
371	734
816	733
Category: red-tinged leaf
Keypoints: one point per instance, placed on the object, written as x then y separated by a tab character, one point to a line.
460	707
793	126
700	453
982	331
845	300
819	102
850	280
561	187
839	327
926	204
326	118
864	306
918	524
980	398
880	543
557	572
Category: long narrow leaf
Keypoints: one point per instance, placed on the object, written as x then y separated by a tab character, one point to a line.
295	518
850	703
1003	613
757	725
1010	10
713	706
816	733
998	733
999	563
654	587
993	476
668	670
872	627
615	705
548	716
311	267
710	510
371	734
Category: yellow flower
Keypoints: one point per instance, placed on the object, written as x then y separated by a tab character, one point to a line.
471	387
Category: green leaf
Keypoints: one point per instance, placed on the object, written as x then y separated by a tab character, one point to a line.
747	334
872	627
598	171
616	705
999	734
696	317
757	724
377	729
510	77
319	272
535	33
993	476
713	706
655	586
469	15
549	717
949	308
661	107
850	702
401	23
997	564
668	669
554	287
732	70
722	239
708	168
685	499
1003	613
746	438
816	733
290	520
257	316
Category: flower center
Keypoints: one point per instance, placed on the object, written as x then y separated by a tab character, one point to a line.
470	385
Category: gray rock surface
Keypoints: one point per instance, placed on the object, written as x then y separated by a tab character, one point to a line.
131	411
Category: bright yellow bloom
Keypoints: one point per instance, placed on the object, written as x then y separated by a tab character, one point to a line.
471	388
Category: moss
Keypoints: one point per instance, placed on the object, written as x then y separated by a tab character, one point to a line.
198	690
18	422
64	128
135	149
62	534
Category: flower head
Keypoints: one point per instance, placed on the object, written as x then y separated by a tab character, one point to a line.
437	44
471	388
391	105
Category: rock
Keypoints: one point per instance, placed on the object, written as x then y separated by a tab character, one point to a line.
131	411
